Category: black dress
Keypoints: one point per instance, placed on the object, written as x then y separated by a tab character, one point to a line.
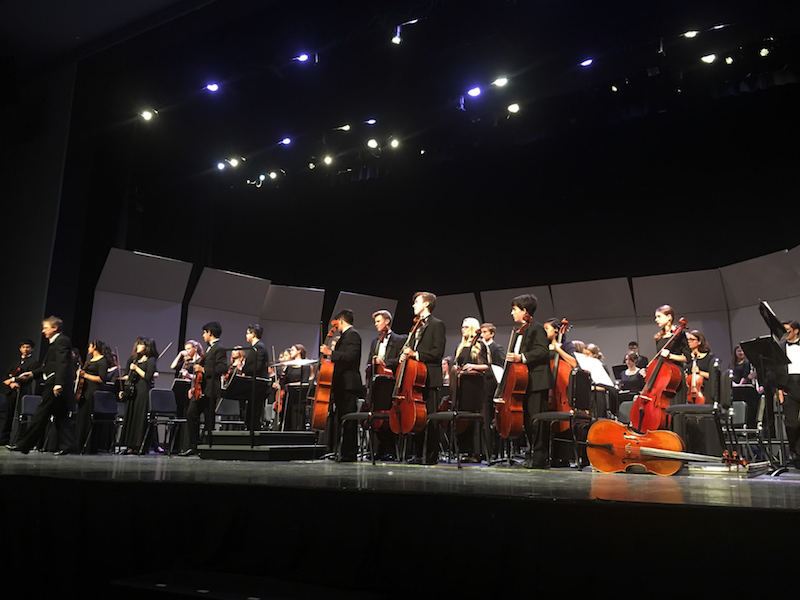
679	346
137	407
631	383
97	367
471	394
295	404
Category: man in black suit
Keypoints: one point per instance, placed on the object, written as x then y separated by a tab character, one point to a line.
788	381
384	353
531	348
428	347
255	360
346	385
213	366
58	374
642	360
497	356
16	389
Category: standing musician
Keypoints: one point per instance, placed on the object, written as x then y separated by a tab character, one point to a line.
531	348
140	379
17	388
255	359
213	366
384	354
294	384
428	347
94	375
58	372
346	385
472	356
184	362
496	355
788	381
678	352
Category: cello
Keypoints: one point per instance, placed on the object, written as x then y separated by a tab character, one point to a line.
409	412
322	385
649	410
558	399
510	392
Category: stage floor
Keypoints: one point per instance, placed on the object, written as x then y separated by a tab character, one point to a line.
687	487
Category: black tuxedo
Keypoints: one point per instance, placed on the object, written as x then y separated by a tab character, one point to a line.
381	390
345	389
393	348
256	357
790	384
430	350
536	354
12	396
58	368
214	366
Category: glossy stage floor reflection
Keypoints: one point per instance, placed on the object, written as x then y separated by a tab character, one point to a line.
781	492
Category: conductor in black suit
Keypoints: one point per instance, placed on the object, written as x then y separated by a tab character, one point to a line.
346	385
428	347
58	375
255	360
385	353
16	389
213	366
531	348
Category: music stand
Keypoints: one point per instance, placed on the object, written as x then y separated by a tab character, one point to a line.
767	356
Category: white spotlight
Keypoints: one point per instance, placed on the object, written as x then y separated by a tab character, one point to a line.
614	88
301	58
587	62
513	108
763	52
273	175
500	81
262	177
728	60
212	87
370	121
394	143
327	160
690	34
221	166
312	166
233	162
147	115
286	141
342	128
397	39
373	143
474	92
709	58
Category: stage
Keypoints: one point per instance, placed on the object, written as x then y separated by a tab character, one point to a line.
100	525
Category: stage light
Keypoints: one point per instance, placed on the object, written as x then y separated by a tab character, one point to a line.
763	52
370	121
301	58
273	175
500	81
474	92
587	62
286	141
148	115
342	128
233	162
221	166
262	177
728	60
327	160
691	34
422	151
614	88
394	143
373	143
312	166
513	108
709	58
397	39
212	87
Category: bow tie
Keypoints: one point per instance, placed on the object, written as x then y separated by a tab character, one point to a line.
788	343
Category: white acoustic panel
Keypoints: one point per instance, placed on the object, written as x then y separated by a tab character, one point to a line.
228	291
145	275
770	277
601	299
746	322
293	304
497	304
693	291
363	306
281	335
611	336
234	325
453	309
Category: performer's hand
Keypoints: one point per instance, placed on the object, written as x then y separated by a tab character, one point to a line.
25	376
665	353
325	350
379	361
13	385
57	390
514	358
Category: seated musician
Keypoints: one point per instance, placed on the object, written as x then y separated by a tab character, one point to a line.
385	354
701	357
471	357
530	348
632	379
701	436
641	361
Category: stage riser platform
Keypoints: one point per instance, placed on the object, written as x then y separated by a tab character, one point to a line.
261	453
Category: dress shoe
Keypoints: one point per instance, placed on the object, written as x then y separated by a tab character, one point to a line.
188	452
61	452
15	448
415	460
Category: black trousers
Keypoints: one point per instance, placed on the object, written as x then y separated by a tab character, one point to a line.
537	433
791	412
344	402
57	407
203	406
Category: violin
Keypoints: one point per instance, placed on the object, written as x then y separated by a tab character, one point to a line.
613	447
649	410
196	389
694	381
510	392
323	383
129	386
558	398
409	412
80	382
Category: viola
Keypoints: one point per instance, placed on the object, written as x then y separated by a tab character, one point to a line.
323	384
408	412
649	410
510	392
80	383
129	389
196	389
558	398
694	381
613	447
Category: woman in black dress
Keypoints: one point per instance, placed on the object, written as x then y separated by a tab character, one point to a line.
632	378
678	351
474	375
295	384
701	360
94	374
140	370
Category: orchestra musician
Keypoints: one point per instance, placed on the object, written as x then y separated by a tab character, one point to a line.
496	355
428	347
346	385
699	436
701	357
17	388
94	374
632	379
213	366
788	381
678	352
294	382
472	356
531	348
255	360
642	360
140	377
384	354
183	363
57	372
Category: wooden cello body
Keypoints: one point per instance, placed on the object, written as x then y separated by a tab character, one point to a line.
649	410
409	412
320	407
510	393
613	447
558	399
